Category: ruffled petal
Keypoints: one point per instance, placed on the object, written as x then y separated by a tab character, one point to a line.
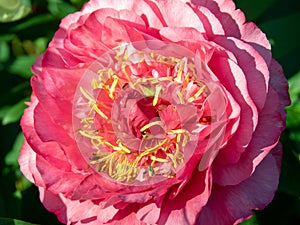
184	208
233	203
263	141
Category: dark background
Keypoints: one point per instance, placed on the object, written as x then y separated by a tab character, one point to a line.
23	40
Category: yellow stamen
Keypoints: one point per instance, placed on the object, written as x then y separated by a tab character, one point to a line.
113	86
157	90
116	148
88	122
197	94
124	65
180	97
151	171
156	147
92	103
171	156
152	157
92	134
159	123
95	84
86	95
178	77
99	160
187	79
178	131
124	148
97	110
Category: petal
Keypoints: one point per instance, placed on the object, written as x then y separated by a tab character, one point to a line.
176	34
258	40
184	208
27	162
264	139
179	14
232	204
233	79
224	10
34	143
56	180
253	65
149	213
279	83
53	203
71	212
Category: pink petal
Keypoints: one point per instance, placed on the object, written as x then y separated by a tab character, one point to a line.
73	212
225	12
231	204
279	83
253	65
179	14
264	139
184	208
54	142
56	180
176	34
258	40
149	213
27	162
53	203
233	79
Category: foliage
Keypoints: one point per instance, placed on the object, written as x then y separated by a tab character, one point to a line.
26	27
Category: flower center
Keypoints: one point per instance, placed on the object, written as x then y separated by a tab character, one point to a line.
137	114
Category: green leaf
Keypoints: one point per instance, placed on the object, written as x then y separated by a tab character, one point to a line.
41	44
60	8
78	3
12	10
3	111
21	66
290	176
284	33
15	112
253	8
6	221
251	221
293	111
32	22
12	157
5	51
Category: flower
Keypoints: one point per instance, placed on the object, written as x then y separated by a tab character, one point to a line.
155	112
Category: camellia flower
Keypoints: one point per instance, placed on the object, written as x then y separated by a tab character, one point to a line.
155	112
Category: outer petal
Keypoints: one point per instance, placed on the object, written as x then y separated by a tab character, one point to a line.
223	19
27	162
279	83
73	212
224	10
253	65
53	203
232	204
233	79
263	141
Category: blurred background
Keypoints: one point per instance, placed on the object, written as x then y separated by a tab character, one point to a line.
27	26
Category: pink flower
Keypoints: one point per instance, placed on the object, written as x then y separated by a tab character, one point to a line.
155	112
